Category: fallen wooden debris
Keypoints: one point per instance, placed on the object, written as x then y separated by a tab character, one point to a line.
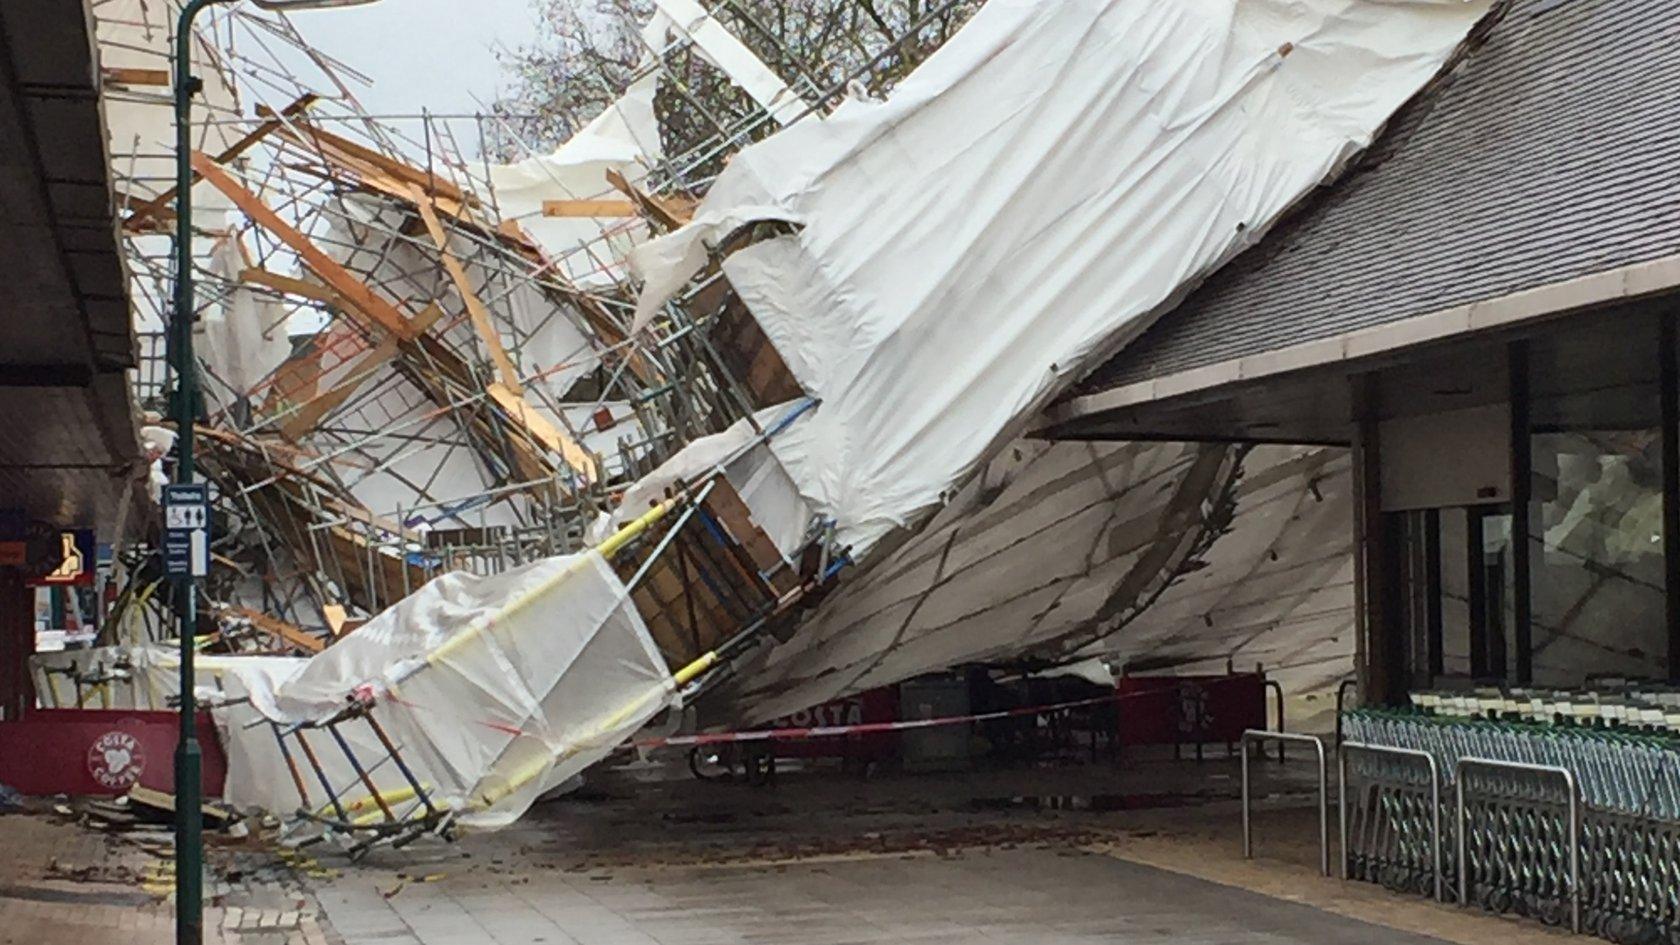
215	815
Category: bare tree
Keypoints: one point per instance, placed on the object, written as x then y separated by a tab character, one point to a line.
590	49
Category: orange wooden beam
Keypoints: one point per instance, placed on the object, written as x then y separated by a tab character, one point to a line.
339	279
481	320
588	208
158	206
126	75
335	146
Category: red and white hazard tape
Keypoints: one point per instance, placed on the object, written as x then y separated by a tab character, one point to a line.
866	728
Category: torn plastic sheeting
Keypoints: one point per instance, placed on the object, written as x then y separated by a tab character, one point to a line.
625	138
242	340
1051	548
723	50
1026	200
529	677
743	454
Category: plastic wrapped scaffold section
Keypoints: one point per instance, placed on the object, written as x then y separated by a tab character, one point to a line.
469	700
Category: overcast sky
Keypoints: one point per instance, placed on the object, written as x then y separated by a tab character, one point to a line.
434	54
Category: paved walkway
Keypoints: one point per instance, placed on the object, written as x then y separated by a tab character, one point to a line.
65	884
1027	896
1140	853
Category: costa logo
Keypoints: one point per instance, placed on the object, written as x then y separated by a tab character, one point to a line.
845	712
116	760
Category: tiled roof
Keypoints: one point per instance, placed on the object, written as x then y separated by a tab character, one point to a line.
1551	151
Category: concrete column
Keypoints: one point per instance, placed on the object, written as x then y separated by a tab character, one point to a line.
1379	650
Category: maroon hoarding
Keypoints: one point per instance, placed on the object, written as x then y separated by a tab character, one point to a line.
100	752
1187	710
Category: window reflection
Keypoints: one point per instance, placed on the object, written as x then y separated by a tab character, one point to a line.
1596	526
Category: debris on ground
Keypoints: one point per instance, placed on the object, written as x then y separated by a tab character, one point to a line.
155	803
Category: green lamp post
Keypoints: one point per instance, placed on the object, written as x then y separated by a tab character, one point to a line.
189	850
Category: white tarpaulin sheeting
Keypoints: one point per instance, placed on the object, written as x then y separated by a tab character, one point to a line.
1023	203
529	677
625	139
242	339
1064	549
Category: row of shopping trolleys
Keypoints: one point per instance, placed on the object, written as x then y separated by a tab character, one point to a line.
1521	802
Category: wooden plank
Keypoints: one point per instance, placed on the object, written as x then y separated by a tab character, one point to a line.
731	554
291	285
339	279
481	320
298	378
588	208
292	635
669	212
304	417
512	233
544	431
128	75
668	635
735	517
748	354
381	183
665	582
336	615
395	169
156	207
307	415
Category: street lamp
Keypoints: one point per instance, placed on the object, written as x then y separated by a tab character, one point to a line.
189	816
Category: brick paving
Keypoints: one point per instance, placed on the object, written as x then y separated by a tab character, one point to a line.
1037	896
1064	857
978	857
67	884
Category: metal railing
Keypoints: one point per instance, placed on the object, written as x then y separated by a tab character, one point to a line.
1341	703
1277	691
1461	825
1435	836
1257	736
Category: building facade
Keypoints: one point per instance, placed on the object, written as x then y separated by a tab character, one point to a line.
1484	311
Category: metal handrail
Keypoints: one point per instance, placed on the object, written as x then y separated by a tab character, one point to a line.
1277	690
1573	788
1435	843
1257	735
1341	703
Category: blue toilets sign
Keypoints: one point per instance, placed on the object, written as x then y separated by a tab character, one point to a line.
186	530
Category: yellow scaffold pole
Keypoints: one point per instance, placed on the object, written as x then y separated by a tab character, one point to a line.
612	546
607	549
538	767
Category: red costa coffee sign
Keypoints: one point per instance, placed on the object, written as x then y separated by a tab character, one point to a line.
116	760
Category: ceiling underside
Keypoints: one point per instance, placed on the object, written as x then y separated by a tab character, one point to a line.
67	440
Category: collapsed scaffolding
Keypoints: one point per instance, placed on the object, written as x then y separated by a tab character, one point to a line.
461	395
400	382
434	384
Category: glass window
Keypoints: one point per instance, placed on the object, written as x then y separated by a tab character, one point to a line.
1455	599
1596	532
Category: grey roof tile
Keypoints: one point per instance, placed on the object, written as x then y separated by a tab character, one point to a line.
1552	151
